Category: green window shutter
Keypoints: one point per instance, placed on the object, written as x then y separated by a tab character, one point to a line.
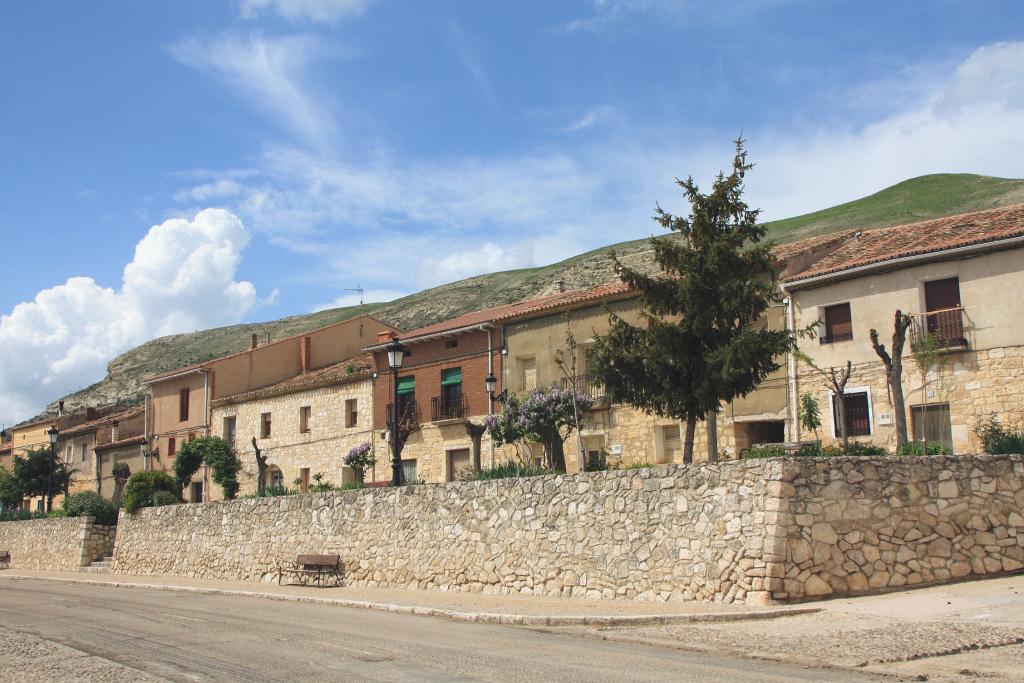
450	377
406	385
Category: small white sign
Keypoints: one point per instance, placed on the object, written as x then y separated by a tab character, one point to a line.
616	449
885	418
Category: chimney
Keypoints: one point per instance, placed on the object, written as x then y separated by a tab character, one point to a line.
305	353
60	408
254	341
114	429
560	285
386	336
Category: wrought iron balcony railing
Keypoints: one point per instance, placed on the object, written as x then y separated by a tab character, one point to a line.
444	408
588	385
945	326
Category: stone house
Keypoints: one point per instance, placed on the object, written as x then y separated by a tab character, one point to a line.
77	445
304	425
958	277
178	405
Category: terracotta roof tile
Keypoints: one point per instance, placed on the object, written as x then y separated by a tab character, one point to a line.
520	309
140	439
924	237
93	425
357	367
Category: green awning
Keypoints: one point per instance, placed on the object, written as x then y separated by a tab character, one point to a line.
450	377
406	385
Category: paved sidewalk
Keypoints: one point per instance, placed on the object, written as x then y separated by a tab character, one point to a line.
498	609
939	632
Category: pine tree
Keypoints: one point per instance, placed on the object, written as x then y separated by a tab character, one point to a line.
703	344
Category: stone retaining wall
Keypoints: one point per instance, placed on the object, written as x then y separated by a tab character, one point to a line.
754	531
58	544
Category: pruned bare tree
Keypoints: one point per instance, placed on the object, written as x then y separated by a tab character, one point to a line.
894	371
261	466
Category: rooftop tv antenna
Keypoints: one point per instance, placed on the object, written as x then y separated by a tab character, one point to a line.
357	288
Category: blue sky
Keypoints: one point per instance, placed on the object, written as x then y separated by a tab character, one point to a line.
400	144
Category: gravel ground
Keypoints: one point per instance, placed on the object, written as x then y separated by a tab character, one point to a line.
29	659
847	640
998	665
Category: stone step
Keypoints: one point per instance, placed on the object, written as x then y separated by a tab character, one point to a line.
92	569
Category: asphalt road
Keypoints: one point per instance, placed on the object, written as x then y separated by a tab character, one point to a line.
189	637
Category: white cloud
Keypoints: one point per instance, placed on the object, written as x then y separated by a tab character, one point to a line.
467	52
218	189
326	11
181	279
269	72
485	258
591	118
272	299
367	297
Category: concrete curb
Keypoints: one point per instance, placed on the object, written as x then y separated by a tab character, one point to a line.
455	615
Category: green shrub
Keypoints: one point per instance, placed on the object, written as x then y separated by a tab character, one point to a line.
636	466
17	515
769	451
505	471
918	448
998	439
161	498
813	450
214	452
142	487
856	448
271	491
352	485
90	504
52	514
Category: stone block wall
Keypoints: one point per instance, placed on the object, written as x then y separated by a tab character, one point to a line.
680	533
754	531
853	525
59	544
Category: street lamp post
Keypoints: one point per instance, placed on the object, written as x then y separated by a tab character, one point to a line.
52	433
396	354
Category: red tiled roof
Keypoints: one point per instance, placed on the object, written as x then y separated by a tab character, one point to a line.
520	309
132	440
357	367
206	363
924	237
93	425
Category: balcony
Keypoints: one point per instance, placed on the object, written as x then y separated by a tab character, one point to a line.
587	385
409	413
445	408
946	326
836	337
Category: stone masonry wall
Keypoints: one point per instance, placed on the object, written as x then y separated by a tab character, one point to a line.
854	525
59	544
752	531
680	533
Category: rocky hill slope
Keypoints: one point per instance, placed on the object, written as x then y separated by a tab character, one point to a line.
917	199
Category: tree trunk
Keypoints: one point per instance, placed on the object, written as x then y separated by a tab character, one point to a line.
712	422
556	454
476	433
841	417
691	427
261	467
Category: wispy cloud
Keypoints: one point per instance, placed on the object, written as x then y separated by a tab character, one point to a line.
218	189
271	73
369	296
321	11
468	53
591	117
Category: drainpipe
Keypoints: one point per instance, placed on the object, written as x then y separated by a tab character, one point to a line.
794	397
490	397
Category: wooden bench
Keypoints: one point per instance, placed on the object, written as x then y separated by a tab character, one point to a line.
5	559
311	568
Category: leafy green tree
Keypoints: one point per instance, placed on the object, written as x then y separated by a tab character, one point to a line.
42	473
214	452
90	504
702	345
148	489
11	494
545	416
810	414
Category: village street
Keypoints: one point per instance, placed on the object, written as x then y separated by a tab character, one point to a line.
56	631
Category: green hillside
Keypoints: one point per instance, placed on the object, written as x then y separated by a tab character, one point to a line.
912	200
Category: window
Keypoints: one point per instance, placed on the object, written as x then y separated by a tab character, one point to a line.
838	324
857	411
406	396
944	317
183	405
529	366
69	455
451	392
265	425
229	430
305	413
85	452
191	437
409	471
351	412
172	446
932	423
671	444
451	343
